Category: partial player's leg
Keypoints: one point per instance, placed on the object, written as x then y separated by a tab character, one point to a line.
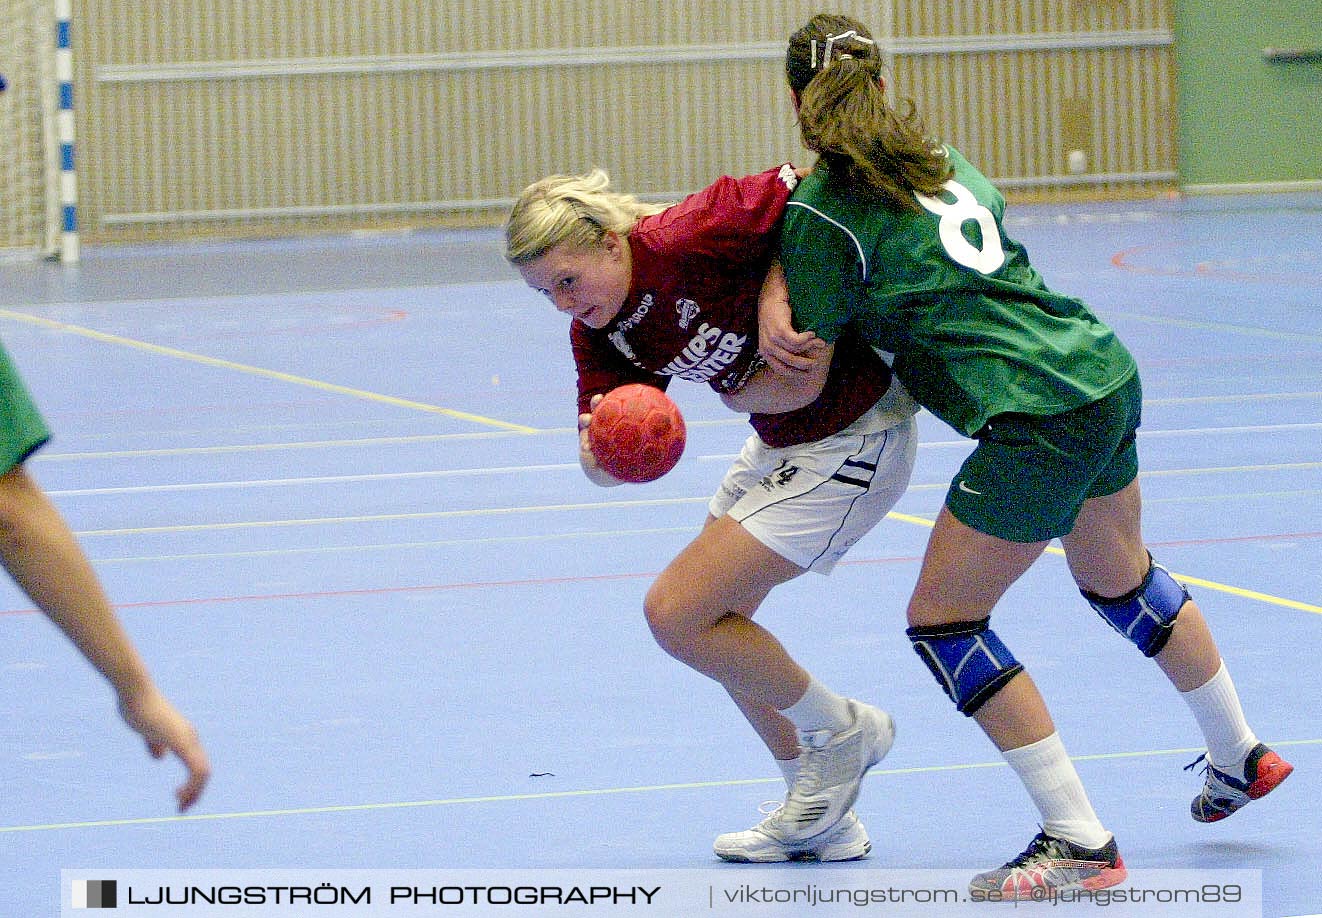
771	726
965	572
809	504
700	610
1144	603
1019	488
1111	565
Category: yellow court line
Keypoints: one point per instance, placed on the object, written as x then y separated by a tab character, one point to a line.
1185	578
259	371
1248	594
605	505
556	795
479	419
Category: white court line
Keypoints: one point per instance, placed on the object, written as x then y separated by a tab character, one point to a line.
398	546
556	431
275	447
1232	495
554	467
1231	469
497	540
565	536
1211	399
319	480
591	792
390	517
1248	428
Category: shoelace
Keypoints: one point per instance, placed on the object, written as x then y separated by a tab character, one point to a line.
809	778
772	810
1038	846
1201	758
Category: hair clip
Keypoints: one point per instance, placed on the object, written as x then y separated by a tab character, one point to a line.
842	37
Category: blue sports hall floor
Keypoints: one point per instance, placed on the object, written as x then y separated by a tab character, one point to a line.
331	485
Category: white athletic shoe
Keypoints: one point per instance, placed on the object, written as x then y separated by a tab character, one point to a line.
763	843
831	767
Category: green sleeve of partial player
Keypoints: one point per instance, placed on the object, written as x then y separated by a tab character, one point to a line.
22	429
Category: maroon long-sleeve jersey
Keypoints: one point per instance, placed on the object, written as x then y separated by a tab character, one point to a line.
691	311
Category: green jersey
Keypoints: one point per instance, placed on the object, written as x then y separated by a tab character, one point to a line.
974	329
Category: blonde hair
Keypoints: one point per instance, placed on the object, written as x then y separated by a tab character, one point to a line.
573	209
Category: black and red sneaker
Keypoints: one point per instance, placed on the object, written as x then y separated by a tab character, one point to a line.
1223	793
1048	866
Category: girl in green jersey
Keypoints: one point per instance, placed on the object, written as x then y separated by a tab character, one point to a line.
902	238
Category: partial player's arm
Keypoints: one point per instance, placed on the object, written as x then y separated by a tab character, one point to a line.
797	363
40	552
596	474
782	346
772	390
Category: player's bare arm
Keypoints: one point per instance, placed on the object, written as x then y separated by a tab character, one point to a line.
781	345
772	390
596	474
41	553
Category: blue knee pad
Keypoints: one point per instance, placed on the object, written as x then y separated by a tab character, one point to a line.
1145	615
968	660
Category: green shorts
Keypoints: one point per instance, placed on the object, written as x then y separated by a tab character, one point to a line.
1029	475
22	430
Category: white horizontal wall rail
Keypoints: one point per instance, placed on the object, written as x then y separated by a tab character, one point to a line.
595	57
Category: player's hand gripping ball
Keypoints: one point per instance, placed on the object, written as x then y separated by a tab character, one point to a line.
637	433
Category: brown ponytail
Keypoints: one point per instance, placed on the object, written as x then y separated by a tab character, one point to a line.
870	149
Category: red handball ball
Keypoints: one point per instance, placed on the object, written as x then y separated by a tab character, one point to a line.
637	433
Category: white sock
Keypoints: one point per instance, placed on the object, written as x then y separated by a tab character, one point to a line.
1215	705
819	709
1050	779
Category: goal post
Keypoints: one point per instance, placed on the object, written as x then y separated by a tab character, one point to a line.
38	188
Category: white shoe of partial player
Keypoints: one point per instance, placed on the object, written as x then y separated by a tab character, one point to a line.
831	767
763	844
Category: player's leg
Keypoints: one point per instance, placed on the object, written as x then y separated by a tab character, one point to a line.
778	513
771	726
809	504
1142	601
765	842
964	574
700	611
1109	562
1011	496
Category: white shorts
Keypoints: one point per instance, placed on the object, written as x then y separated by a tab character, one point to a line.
810	503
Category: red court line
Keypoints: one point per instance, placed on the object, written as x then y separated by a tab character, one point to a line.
421	588
1176	543
1122	261
590	578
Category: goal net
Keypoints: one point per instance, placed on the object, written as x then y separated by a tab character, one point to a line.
29	180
